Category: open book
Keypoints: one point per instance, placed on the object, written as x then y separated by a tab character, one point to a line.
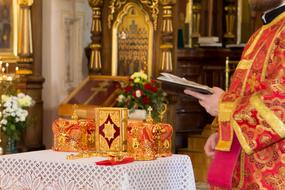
184	83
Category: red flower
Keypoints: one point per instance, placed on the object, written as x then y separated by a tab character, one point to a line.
154	89
151	87
146	100
148	86
128	89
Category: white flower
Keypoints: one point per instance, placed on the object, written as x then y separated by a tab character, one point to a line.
138	93
21	95
3	122
25	101
121	98
22	118
7	104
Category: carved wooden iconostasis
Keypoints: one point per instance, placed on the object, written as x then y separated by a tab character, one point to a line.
135	35
163	36
134	39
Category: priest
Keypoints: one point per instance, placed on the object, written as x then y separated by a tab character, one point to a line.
248	148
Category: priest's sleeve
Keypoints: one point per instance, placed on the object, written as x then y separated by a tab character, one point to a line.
257	117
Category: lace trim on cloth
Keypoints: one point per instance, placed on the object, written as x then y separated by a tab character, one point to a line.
35	173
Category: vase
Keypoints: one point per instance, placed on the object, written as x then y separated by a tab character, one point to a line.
11	146
137	114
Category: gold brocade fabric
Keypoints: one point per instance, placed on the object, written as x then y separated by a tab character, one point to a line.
73	135
256	110
147	141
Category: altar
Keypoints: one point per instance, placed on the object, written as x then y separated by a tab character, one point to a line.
47	169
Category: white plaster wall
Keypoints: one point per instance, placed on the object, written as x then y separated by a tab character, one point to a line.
63	53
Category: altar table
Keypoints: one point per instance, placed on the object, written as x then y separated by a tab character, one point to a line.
49	170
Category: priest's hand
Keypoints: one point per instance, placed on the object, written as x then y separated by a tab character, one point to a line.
210	145
208	101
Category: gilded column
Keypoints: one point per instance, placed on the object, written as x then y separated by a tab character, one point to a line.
25	40
95	64
230	17
167	36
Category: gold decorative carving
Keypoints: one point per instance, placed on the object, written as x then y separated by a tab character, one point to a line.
94	3
25	2
167	19
167	33
96	30
193	19
132	39
166	61
115	6
109	131
167	2
153	5
196	19
230	21
166	46
25	40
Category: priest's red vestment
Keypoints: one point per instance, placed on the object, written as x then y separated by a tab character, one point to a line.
251	148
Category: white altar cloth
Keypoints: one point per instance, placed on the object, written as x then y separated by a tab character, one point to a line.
49	170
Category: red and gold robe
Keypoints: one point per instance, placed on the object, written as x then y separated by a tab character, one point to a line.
253	111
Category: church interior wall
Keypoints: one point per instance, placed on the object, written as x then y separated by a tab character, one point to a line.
66	32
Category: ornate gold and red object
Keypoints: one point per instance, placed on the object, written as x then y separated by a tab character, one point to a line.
148	140
111	134
73	135
141	143
162	134
114	136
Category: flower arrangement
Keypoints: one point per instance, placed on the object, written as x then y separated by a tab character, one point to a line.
14	114
141	93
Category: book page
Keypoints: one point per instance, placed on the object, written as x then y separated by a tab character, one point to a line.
173	79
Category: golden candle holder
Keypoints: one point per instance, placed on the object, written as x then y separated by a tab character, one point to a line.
231	14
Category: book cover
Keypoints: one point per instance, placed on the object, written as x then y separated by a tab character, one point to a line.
111	126
184	83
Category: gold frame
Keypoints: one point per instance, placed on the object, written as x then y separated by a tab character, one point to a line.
10	54
115	38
